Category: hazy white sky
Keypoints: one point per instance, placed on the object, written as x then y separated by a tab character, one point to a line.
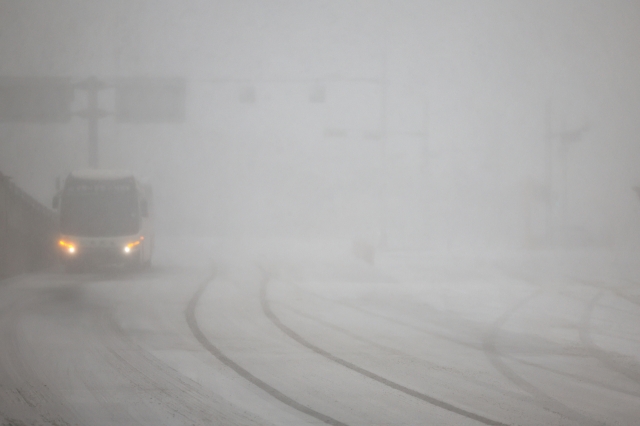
475	76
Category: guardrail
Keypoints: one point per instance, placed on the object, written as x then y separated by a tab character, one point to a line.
27	231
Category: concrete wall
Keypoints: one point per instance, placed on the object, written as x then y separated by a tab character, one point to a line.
27	231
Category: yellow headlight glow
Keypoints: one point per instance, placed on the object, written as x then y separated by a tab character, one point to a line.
127	249
67	246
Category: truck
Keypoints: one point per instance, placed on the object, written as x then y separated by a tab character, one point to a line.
105	218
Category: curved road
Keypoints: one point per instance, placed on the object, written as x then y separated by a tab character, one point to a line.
292	340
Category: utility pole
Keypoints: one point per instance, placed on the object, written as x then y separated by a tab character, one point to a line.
92	114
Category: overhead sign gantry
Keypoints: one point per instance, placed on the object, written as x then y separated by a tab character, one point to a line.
49	99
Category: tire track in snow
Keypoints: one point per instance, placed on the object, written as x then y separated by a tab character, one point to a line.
607	358
245	374
388	318
178	394
396	386
30	399
403	324
495	357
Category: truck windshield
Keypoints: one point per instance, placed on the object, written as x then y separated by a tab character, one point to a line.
99	210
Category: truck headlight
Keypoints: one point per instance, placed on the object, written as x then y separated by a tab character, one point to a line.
128	248
67	246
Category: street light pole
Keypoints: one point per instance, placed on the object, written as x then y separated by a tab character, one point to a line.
565	138
383	153
549	173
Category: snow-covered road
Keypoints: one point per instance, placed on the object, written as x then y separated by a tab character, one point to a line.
292	337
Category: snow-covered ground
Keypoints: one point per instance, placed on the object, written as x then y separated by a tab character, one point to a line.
289	332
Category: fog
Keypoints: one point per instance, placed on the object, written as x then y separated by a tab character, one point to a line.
366	212
432	125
